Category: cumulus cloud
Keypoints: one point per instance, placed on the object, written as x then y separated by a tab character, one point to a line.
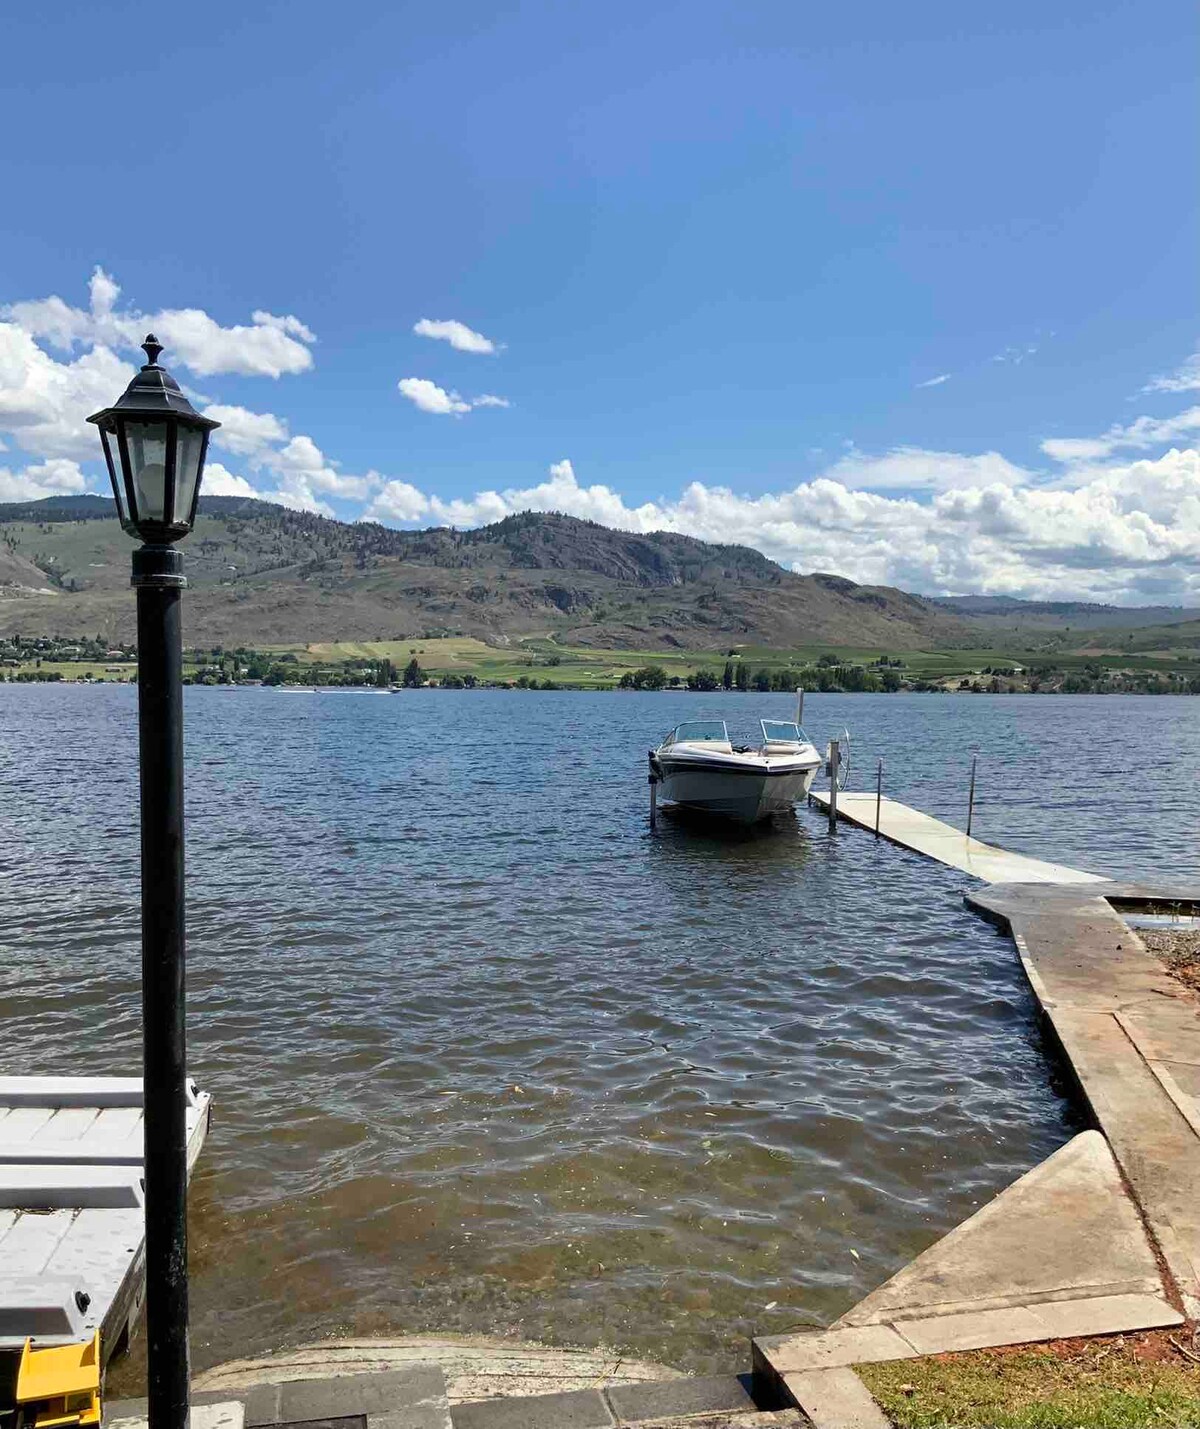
220	481
243	432
293	470
427	396
44	404
458	335
57	477
936	381
268	346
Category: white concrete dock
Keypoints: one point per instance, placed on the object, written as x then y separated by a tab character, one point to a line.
929	836
72	1217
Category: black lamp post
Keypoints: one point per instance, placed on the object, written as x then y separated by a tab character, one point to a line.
155	444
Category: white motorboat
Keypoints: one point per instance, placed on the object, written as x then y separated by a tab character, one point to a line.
698	767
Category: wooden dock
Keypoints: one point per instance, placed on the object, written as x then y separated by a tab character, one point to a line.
72	1217
928	836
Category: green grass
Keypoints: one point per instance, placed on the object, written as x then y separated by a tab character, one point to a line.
592	666
81	669
462	655
1101	1386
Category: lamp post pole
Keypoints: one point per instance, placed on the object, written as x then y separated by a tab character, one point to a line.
154	445
159	583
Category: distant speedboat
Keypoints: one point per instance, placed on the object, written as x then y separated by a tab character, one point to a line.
697	767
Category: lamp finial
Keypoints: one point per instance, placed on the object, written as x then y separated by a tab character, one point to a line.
152	347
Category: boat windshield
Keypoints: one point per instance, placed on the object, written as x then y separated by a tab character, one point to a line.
696	731
782	731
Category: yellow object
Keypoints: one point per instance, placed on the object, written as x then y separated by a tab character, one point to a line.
61	1386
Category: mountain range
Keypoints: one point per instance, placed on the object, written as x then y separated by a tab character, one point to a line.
261	574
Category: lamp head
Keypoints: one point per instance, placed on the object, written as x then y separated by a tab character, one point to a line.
155	443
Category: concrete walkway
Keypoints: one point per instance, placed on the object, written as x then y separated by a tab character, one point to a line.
1131	1034
1105	1235
913	830
1061	1252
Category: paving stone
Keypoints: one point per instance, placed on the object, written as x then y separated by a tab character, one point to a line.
370	1394
1164	1031
633	1403
1104	1315
1065	1229
345	1421
973	1331
763	1419
417	1416
833	1348
227	1414
262	1403
581	1409
835	1399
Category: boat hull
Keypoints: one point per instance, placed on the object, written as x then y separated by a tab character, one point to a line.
745	795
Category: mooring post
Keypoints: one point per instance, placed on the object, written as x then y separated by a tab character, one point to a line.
800	706
971	795
834	759
653	781
878	795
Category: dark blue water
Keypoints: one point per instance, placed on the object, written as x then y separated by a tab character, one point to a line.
489	1056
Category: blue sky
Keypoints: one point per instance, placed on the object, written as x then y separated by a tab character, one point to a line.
723	253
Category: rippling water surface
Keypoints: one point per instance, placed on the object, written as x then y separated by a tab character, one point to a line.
489	1056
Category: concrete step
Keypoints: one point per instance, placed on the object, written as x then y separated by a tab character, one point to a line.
712	1402
410	1398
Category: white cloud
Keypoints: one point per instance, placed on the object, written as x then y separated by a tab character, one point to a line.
1140	435
303	468
458	335
298	472
44	404
268	346
400	502
915	469
427	396
936	381
193	339
243	432
220	481
57	477
1185	378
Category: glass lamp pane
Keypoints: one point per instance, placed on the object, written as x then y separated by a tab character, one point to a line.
147	442
112	455
187	469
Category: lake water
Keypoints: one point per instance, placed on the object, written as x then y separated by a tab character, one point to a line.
489	1056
